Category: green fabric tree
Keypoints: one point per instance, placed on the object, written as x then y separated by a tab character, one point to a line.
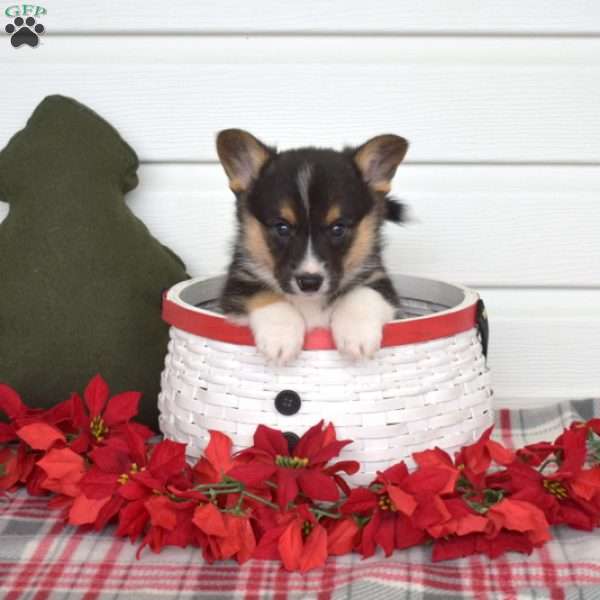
80	276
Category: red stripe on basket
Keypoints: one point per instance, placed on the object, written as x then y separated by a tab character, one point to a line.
31	567
411	331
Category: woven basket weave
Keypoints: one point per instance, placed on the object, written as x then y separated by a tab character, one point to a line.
413	395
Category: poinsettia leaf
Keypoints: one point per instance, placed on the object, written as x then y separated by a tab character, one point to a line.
500	454
209	519
110	460
360	500
61	462
167	459
318	486
454	547
290	546
311	441
218	452
97	484
385	534
432	458
326	453
161	511
40	436
350	467
85	510
341	536
133	518
10	402
287	487
403	501
96	394
79	415
7	433
133	490
314	553
270	440
252	474
121	408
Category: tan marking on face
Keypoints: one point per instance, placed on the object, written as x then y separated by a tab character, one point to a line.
262	299
362	245
287	213
333	214
382	186
255	243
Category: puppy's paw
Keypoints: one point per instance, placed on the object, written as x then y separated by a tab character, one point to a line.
278	330
357	321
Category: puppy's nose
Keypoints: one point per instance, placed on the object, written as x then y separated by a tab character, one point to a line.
309	282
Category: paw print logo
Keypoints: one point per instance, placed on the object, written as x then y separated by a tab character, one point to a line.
24	32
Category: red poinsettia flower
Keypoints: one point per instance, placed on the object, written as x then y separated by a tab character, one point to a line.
98	417
303	469
297	539
391	506
556	494
475	460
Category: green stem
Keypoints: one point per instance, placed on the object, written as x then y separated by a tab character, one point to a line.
547	462
260	499
319	512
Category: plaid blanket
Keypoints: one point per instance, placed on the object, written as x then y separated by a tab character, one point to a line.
41	558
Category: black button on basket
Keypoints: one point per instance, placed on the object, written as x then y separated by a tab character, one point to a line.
288	402
292	440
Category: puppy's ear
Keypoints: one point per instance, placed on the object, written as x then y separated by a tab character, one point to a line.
378	160
242	157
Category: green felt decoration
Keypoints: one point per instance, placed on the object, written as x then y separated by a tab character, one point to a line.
81	277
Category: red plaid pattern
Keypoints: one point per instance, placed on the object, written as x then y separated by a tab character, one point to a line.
40	558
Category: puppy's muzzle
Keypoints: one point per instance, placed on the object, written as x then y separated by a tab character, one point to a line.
309	282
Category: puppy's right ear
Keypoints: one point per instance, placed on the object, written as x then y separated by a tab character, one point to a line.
242	157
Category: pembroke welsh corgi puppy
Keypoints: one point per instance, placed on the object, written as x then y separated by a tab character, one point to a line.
308	246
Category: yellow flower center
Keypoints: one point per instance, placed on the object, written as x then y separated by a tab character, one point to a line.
385	503
124	477
556	488
98	428
291	462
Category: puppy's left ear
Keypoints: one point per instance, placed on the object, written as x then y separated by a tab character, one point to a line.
242	156
378	160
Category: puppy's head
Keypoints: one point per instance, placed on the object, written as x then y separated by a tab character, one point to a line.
310	218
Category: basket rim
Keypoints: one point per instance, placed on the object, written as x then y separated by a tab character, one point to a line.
202	322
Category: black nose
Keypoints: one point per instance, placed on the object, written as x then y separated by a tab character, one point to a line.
308	282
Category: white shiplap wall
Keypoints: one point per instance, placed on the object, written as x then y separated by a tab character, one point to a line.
501	101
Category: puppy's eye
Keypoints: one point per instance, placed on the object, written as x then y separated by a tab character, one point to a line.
337	230
282	229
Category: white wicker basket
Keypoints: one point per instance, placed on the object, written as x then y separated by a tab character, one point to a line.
428	385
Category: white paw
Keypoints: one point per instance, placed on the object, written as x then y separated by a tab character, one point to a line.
357	321
278	330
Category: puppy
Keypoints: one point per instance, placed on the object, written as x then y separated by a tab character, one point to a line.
308	246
